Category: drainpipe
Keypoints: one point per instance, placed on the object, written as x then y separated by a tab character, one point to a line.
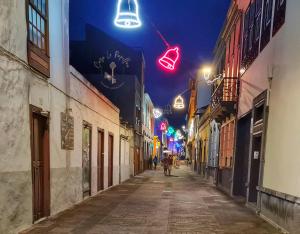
262	160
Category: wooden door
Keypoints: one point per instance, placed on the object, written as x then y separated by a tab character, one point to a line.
242	156
100	161
255	167
86	159
136	161
110	159
40	166
123	157
259	127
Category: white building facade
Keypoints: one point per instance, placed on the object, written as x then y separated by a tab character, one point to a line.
269	96
148	129
60	136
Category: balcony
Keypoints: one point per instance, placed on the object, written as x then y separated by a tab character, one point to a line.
224	98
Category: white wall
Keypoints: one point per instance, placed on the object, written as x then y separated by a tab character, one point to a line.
20	86
13	31
125	166
280	60
282	166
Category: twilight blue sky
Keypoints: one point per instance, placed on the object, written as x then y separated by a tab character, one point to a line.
192	24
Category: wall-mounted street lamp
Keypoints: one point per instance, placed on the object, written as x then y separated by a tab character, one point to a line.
208	77
206	71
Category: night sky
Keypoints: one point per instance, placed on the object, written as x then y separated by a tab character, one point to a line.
194	25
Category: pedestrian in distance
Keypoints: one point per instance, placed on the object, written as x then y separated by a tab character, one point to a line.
155	161
150	163
170	163
165	162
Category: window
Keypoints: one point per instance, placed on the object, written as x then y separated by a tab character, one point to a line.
266	23
251	26
38	44
227	144
245	38
258	7
229	50
279	15
233	40
267	13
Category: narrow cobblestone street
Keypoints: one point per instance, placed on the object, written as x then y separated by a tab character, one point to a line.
153	203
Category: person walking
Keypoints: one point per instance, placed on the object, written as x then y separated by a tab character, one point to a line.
150	163
165	162
170	163
155	161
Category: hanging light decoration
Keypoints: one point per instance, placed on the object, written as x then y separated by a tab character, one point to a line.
178	134
128	14
171	131
157	113
169	59
178	103
163	126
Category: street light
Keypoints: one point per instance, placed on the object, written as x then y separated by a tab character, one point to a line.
208	77
206	71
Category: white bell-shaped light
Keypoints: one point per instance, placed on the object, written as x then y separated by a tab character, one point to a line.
157	113
128	14
178	103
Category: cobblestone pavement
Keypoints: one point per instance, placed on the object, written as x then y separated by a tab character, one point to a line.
153	203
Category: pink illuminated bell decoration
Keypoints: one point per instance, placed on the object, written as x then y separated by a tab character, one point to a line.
170	59
163	126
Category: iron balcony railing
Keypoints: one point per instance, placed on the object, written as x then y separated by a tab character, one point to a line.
226	92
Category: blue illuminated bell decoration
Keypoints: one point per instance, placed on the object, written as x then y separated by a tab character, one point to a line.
128	14
170	131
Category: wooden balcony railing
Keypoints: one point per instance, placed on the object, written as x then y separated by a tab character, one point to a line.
226	93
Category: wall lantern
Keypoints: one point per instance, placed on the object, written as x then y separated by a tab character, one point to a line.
206	73
128	14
